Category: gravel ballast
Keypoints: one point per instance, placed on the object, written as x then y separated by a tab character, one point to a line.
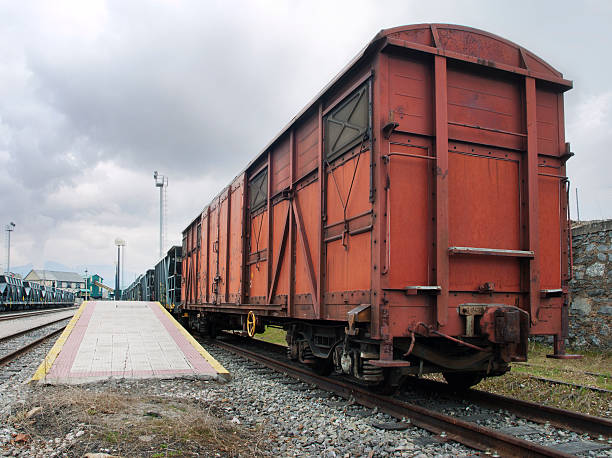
267	413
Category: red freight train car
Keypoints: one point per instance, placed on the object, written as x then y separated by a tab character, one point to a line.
411	219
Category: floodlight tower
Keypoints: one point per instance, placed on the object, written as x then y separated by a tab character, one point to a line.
119	243
9	228
161	182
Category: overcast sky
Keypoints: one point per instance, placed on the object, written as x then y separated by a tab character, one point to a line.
96	95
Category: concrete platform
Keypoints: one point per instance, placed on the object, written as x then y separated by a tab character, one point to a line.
124	339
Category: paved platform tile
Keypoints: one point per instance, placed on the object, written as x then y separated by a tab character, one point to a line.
123	339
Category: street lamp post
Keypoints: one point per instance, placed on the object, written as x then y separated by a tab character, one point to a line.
86	284
9	228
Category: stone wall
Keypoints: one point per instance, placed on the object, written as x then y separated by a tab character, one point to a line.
591	287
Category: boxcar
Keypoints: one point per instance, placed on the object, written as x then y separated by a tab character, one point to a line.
412	218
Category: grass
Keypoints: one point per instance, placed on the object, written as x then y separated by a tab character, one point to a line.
273	335
594	369
133	424
562	396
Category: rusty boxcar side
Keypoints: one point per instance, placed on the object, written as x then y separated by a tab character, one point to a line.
413	217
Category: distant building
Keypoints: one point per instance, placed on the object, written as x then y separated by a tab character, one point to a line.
12	274
70	281
97	288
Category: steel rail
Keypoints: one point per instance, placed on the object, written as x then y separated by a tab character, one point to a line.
564	419
466	433
538	413
553	381
25	331
16	316
11	356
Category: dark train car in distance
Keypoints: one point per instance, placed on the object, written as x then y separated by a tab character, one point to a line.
167	278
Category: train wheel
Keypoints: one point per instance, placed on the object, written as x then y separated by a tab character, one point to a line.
462	380
251	324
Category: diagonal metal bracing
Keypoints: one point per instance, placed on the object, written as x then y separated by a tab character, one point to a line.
279	257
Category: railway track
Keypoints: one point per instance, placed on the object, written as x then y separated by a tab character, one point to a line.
577	373
570	384
15	316
8	357
573	371
445	426
23	340
28	330
539	413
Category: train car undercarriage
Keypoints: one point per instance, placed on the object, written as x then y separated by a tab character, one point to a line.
347	348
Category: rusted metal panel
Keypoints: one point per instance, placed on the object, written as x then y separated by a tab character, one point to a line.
381	107
408	232
410	100
236	241
213	252
270	224
441	188
206	254
280	165
484	206
258	257
531	173
566	237
485	109
306	144
320	197
305	206
292	234
202	259
279	283
421	35
548	123
474	46
223	246
550	190
458	40
348	258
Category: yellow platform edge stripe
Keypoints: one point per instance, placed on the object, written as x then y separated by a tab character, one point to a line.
46	364
207	356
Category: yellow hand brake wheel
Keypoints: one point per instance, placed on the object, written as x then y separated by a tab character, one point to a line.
251	322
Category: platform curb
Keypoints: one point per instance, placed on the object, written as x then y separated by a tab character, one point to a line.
223	372
45	366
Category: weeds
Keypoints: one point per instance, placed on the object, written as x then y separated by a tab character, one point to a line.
133	424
